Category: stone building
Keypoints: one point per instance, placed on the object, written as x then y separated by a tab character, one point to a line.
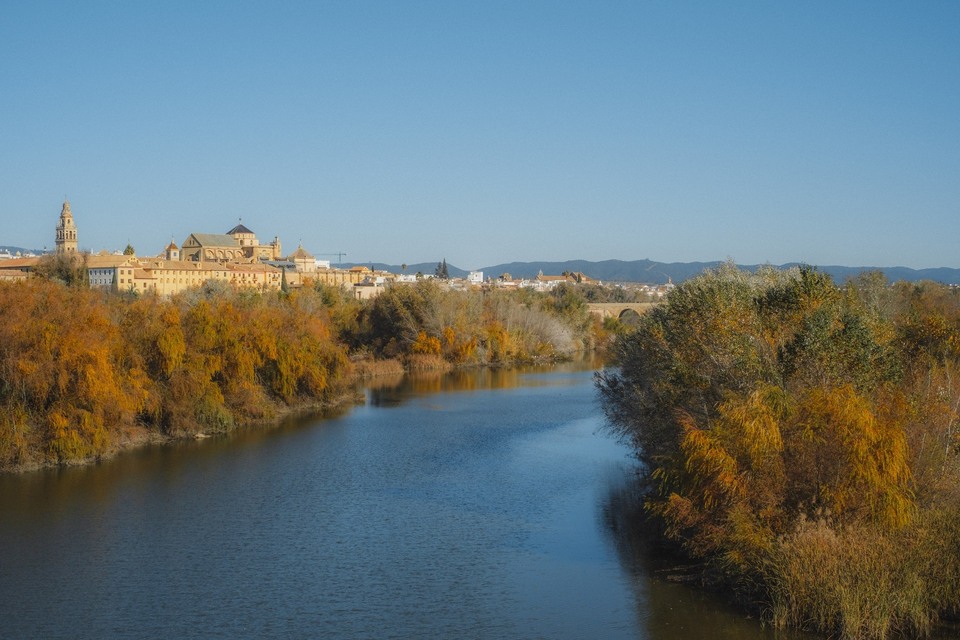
66	231
235	259
172	252
66	244
238	244
106	271
167	277
304	262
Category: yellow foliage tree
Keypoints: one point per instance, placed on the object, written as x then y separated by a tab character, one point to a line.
426	344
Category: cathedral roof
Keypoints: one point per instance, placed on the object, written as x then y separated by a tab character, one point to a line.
300	253
213	240
238	229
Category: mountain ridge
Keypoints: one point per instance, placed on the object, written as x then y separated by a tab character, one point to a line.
653	272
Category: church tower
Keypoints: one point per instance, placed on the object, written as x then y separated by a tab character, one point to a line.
172	252
66	231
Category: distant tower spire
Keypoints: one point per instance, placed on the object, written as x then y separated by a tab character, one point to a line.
66	230
172	252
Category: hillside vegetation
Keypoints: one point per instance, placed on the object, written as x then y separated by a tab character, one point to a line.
802	440
84	373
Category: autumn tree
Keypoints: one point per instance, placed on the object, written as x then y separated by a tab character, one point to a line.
761	402
79	368
65	381
466	327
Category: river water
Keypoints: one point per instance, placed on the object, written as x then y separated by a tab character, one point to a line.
486	504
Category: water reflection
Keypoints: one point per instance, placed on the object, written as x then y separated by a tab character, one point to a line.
66	490
388	391
667	608
481	504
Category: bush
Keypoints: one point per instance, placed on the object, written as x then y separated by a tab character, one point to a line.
800	437
466	327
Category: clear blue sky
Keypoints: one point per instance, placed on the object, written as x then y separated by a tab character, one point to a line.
487	132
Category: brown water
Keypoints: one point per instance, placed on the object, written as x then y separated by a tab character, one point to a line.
476	505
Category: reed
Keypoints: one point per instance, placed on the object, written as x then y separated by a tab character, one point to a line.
861	582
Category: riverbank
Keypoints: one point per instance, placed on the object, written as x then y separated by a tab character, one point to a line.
364	372
81	371
137	436
799	440
447	506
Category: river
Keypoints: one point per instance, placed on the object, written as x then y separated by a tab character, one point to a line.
484	504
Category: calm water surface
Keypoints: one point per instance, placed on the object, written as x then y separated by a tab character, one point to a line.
475	505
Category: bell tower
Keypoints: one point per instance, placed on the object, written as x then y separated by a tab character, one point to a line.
66	231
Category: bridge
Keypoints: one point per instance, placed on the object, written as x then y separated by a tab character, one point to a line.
619	309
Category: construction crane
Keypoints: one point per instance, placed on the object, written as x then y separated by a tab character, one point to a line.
339	254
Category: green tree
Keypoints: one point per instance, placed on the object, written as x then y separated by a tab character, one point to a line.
67	268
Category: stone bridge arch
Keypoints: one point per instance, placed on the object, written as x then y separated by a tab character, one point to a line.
618	309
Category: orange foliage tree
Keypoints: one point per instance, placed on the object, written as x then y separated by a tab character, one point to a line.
78	367
63	373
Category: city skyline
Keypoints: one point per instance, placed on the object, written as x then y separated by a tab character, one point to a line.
491	132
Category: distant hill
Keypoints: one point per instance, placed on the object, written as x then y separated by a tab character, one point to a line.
944	275
607	270
660	272
13	250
